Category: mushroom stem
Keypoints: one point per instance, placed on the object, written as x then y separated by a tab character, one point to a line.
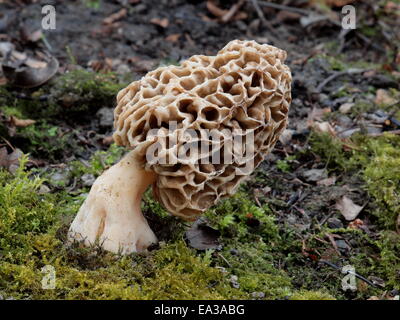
111	214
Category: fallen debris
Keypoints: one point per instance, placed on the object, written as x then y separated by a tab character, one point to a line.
348	208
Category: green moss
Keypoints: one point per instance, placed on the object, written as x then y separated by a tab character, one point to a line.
389	264
330	150
78	92
73	97
311	295
283	165
44	140
361	106
375	160
100	161
33	232
22	210
72	94
238	216
93	4
265	256
342	62
369	31
12	111
379	159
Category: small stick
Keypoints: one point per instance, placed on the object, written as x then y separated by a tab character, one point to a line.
260	14
339	74
349	272
284	8
232	11
223	258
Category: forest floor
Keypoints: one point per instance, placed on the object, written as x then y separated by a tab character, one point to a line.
325	198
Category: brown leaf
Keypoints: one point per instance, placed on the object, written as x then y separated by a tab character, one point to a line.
324	127
348	208
286	16
30	62
160	22
216	11
35	36
10	161
227	15
356	224
346	107
201	236
241	15
391	7
173	37
30	77
21	123
3	157
108	140
231	13
115	16
327	181
383	97
316	115
13	160
398	224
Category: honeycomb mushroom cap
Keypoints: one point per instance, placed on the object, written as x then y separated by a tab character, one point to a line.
245	86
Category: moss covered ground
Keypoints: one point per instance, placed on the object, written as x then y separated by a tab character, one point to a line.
261	254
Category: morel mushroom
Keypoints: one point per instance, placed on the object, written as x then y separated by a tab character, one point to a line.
242	92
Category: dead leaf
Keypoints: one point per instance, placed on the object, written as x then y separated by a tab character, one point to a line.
231	13
227	15
286	136
107	140
316	115
115	16
348	208
30	62
346	107
391	7
383	97
398	224
286	16
160	22
201	236
30	77
216	11
241	15
3	157
324	127
356	224
21	123
173	37
327	181
35	36
314	175
10	161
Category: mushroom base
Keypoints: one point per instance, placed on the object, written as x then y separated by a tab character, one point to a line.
111	214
